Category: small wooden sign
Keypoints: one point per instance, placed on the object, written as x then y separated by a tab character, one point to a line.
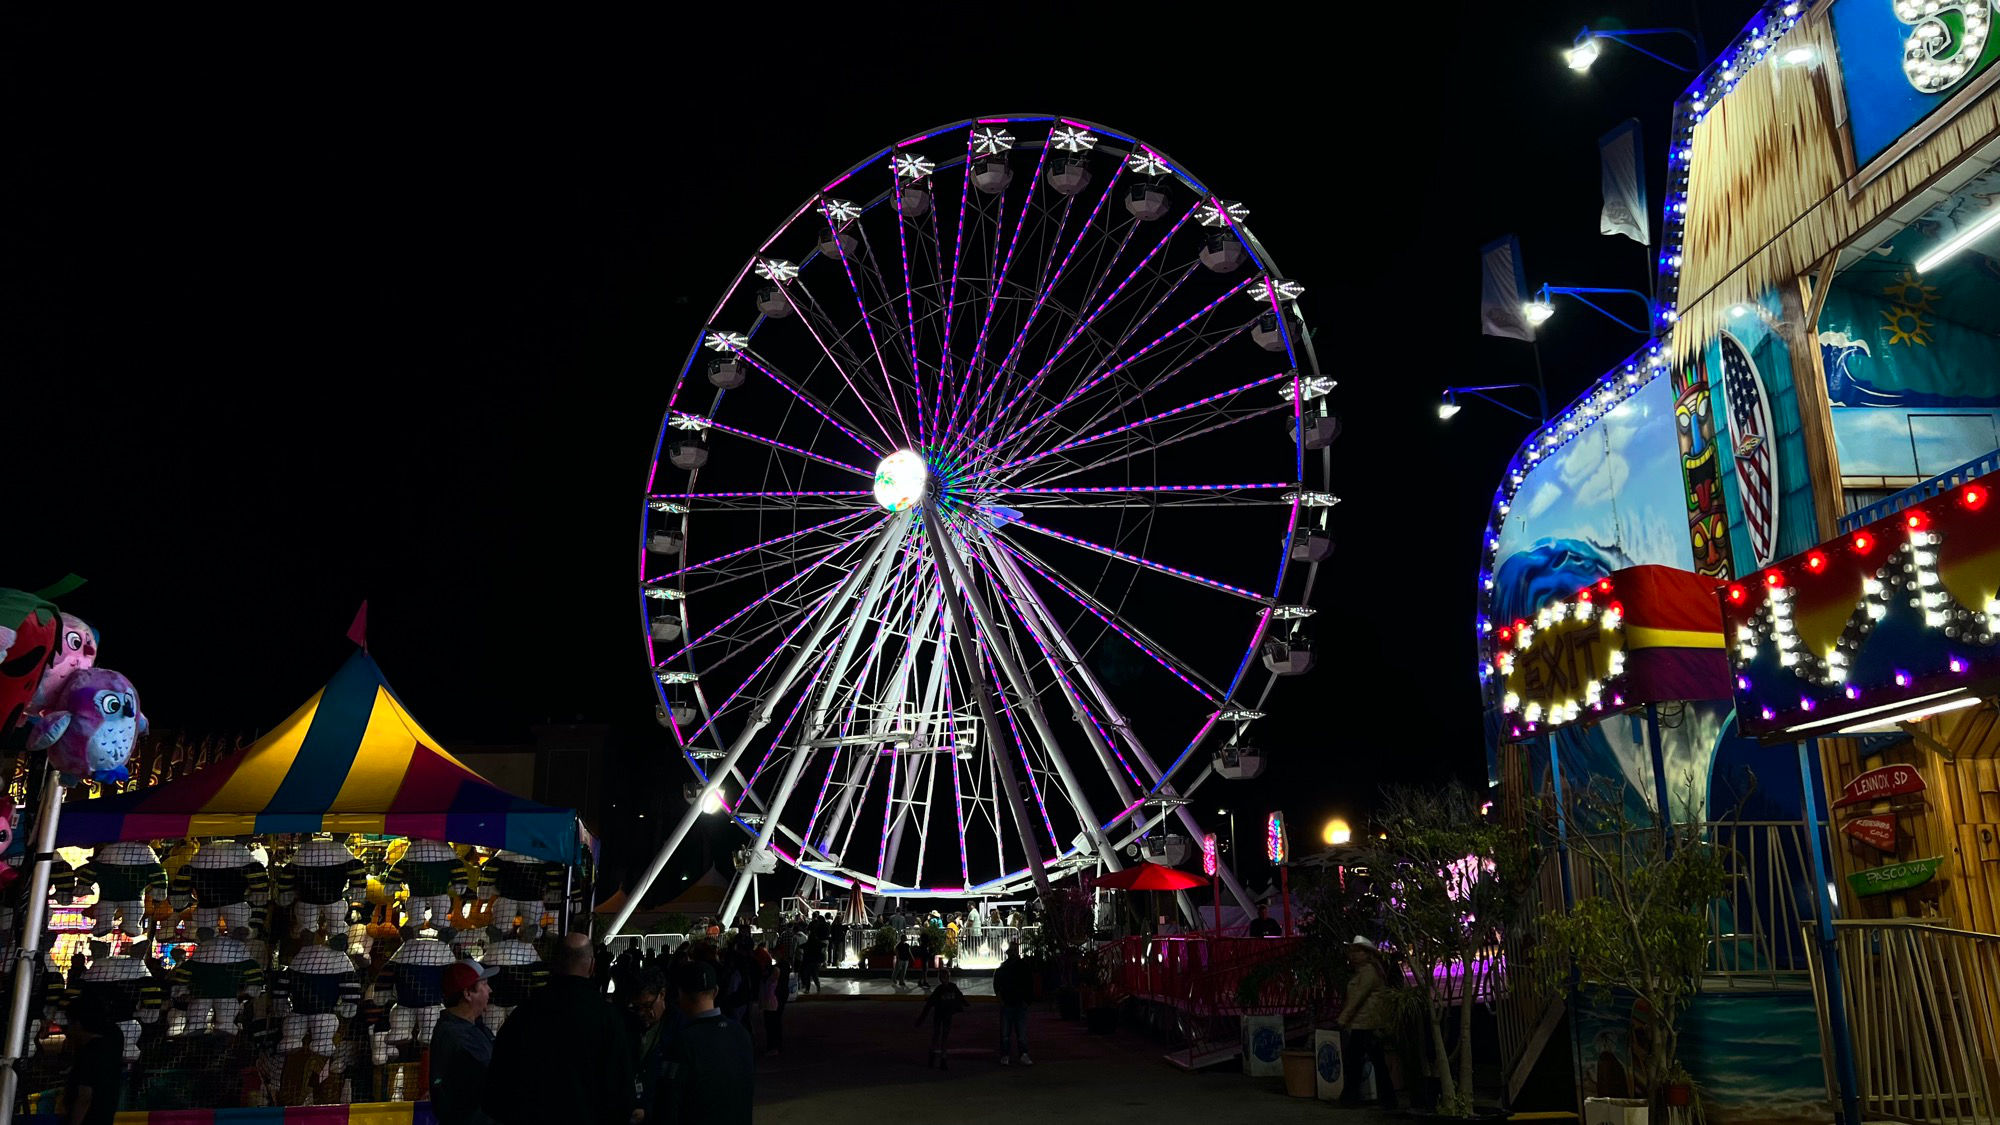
1878	832
1881	783
1894	876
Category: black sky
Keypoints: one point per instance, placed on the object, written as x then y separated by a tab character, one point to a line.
294	316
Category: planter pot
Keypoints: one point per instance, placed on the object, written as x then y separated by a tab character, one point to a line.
1680	1097
1299	1081
1614	1111
881	962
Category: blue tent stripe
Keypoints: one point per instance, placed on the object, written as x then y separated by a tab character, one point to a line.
328	751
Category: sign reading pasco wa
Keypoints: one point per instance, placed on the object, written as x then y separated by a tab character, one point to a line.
1880	784
1894	876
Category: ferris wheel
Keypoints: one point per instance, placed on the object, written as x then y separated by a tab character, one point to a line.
984	516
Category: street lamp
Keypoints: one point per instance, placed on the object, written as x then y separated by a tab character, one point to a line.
1539	310
1449	404
1337	832
1231	814
1585	51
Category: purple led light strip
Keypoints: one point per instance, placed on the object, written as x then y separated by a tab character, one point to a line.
756	547
1086	323
1084	489
764	495
1020	744
1035	634
716	712
798	705
957	794
773	592
1136	560
712	424
887	433
1085	387
868	323
1006	361
811	405
1072	595
993	296
957	257
1160	417
910	303
867	665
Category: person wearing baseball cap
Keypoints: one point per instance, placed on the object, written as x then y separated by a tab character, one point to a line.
711	1067
461	1045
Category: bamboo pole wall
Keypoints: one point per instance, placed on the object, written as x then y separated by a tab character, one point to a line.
1767	185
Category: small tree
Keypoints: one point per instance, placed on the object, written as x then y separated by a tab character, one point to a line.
1439	870
1645	929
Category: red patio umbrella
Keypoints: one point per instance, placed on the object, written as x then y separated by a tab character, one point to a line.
1150	877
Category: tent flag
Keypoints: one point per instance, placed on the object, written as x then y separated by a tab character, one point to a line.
1503	290
1624	183
352	759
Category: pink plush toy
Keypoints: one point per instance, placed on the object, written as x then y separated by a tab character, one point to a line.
90	731
76	650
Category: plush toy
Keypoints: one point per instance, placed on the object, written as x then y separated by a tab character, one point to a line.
28	634
321	988
215	978
432	873
127	876
90	730
75	650
521	972
521	885
415	974
223	881
323	884
128	991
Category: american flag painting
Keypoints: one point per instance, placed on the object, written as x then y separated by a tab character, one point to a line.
1756	448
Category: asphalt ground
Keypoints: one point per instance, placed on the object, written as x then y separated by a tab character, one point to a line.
861	1059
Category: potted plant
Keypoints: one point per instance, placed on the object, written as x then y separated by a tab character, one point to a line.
1645	931
1440	865
882	951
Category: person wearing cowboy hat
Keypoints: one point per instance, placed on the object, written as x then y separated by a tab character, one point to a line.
1364	1019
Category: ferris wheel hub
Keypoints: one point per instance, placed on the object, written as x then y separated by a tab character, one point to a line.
901	479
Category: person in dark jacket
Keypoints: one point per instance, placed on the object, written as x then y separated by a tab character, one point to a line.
710	1072
654	1024
461	1046
944	1002
1014	985
565	1054
97	1074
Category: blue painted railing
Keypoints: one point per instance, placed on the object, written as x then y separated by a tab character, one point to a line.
1917	494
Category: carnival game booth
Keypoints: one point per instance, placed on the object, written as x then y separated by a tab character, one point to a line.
339	863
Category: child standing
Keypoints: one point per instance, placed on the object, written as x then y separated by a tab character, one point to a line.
944	1002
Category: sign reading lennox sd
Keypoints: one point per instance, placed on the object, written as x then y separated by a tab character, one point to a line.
1878	832
1880	784
1886	624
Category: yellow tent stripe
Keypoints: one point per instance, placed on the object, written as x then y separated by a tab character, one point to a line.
379	765
1642	636
263	769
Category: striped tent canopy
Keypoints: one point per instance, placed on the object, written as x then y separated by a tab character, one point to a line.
350	760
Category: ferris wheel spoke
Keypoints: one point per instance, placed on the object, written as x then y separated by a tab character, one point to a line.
957	259
868	326
1114	369
772	542
1146	421
791	387
1076	332
910	304
1155	444
1148	496
1007	709
1050	281
997	284
823	557
1145	563
807	319
716	712
957	792
691	421
1176	667
1189	352
842	499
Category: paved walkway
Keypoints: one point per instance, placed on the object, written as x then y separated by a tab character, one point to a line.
976	987
863	1061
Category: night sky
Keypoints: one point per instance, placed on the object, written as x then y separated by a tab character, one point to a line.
393	314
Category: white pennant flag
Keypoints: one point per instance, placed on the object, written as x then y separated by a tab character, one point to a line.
1503	289
1624	184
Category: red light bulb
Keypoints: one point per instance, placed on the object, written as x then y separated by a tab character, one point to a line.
1774	578
1864	542
1604	584
1972	496
1916	520
1737	594
1815	562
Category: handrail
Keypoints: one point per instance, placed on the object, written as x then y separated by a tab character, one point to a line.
1918	493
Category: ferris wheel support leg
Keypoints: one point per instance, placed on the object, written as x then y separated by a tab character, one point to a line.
878	573
1032	602
928	708
982	693
761	717
1006	654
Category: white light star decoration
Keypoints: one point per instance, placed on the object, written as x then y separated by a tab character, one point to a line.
1146	163
911	166
686	421
1291	612
1311	499
1287	290
725	341
840	210
1220	212
667	507
990	142
1071	139
678	677
1238	715
776	269
1313	388
664	593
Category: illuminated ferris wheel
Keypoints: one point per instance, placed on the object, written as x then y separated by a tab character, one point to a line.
984	515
